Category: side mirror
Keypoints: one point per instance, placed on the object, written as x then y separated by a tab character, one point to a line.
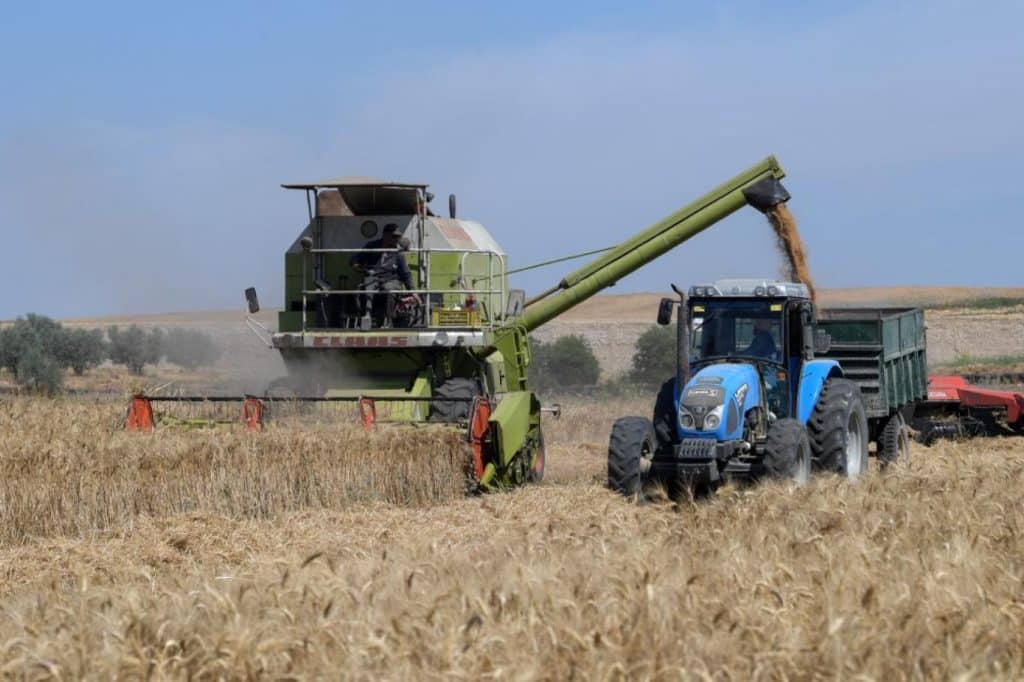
822	342
516	303
451	206
252	300
665	311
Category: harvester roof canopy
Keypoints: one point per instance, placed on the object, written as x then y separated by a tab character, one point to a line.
354	181
369	196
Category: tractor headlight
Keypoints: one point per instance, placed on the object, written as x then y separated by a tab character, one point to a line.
686	420
713	419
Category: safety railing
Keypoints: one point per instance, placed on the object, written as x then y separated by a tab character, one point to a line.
494	297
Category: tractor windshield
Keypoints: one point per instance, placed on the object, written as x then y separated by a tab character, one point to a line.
736	328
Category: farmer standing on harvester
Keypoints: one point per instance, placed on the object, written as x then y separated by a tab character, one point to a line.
385	272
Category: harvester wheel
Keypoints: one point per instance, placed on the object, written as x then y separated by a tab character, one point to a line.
787	451
536	473
630	449
463	390
838	429
894	443
665	414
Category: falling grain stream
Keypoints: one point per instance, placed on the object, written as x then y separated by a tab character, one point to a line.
791	246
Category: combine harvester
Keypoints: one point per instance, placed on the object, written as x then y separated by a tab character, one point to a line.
454	348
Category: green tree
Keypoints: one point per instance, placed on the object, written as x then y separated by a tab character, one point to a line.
654	357
190	348
33	351
83	349
134	347
39	372
567	363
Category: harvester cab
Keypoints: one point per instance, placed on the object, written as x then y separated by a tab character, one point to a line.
750	398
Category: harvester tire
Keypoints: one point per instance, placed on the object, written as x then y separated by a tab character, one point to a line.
787	451
535	474
665	414
461	388
630	448
838	429
894	443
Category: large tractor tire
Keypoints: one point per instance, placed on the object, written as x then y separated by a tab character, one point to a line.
454	410
838	429
787	451
630	449
665	415
894	442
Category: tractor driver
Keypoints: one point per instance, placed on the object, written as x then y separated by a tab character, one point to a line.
384	272
763	343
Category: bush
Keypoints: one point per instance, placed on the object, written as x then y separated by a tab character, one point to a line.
134	347
654	358
190	348
565	363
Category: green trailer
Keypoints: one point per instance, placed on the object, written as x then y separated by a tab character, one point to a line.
883	351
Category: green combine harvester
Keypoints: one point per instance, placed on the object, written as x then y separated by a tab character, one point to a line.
452	348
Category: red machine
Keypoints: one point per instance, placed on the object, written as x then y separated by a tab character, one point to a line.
956	409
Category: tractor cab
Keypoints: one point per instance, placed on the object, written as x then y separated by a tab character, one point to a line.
762	323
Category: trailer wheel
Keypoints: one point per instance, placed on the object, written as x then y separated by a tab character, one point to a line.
894	443
629	454
787	451
665	415
838	429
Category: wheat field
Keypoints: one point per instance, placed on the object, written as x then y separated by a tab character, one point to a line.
300	552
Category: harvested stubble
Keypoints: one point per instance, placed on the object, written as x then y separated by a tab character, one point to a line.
918	573
65	469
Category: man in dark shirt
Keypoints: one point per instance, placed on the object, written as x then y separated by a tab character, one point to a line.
384	272
763	343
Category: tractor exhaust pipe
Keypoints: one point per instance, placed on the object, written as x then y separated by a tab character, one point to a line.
682	341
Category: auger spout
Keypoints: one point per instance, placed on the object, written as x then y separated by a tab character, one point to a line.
758	186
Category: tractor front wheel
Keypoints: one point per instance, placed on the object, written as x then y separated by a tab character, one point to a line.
630	449
838	428
787	451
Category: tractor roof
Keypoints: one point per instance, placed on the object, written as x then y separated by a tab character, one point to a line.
354	181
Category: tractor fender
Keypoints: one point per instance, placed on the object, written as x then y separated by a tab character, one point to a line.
812	379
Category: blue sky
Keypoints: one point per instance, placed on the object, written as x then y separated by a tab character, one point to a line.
142	145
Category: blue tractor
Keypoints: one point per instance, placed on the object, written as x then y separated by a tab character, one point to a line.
750	399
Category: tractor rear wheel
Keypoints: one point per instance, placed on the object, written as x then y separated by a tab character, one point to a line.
630	449
838	429
894	443
787	451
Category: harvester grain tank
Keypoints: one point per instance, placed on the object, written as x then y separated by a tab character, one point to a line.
454	348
